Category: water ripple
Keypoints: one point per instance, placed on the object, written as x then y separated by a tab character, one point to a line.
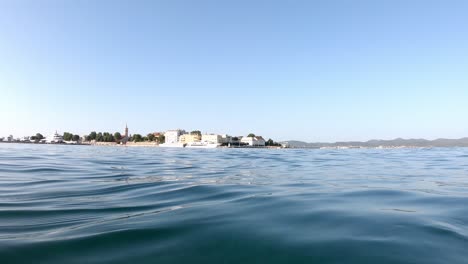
81	204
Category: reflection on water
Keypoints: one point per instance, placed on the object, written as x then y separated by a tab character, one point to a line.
79	204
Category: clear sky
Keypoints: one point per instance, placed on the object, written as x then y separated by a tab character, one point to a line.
309	70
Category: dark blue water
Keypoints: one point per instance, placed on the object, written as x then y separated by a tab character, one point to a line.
79	204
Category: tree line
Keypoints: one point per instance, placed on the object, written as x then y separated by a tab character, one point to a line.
117	137
103	137
148	138
270	142
70	137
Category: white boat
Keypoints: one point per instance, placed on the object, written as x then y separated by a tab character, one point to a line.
172	145
202	145
55	138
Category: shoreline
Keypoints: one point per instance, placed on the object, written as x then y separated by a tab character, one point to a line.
155	145
130	144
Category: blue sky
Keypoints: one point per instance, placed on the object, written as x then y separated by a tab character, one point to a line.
307	70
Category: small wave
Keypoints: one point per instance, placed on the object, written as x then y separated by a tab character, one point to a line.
73	204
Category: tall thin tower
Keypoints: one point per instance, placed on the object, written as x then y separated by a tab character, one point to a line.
126	130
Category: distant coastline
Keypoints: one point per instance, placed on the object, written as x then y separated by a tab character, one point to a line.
169	139
128	144
180	138
394	143
371	144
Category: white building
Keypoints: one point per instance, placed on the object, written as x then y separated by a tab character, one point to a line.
212	139
10	138
172	136
254	141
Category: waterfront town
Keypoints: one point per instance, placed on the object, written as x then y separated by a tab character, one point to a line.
177	138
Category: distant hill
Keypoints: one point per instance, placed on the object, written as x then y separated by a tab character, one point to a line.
398	142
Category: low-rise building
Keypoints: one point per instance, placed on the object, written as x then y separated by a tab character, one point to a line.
226	139
236	140
172	136
189	138
254	141
212	138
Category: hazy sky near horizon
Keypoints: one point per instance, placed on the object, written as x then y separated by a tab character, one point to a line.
326	70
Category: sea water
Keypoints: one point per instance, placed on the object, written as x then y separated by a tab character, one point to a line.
85	204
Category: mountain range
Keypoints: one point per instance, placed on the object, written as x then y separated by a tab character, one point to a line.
398	142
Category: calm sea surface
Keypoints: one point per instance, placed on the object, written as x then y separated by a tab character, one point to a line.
80	204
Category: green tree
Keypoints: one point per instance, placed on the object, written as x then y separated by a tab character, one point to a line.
39	136
251	135
76	138
99	137
137	138
67	136
117	136
106	137
269	142
196	132
150	137
161	139
92	136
